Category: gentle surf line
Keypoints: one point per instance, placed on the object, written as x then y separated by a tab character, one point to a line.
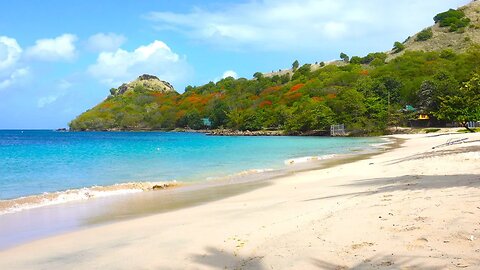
87	193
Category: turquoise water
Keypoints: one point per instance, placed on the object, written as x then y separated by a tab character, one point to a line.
34	162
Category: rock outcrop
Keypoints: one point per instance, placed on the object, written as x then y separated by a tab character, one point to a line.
145	81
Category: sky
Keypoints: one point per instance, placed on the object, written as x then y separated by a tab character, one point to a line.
60	58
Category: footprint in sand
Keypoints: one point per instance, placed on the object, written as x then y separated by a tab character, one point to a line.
406	229
421	219
417	244
361	245
410	228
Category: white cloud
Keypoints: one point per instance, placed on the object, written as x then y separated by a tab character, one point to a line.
10	69
62	89
12	78
64	84
301	24
44	101
114	68
10	52
105	42
230	73
61	48
226	74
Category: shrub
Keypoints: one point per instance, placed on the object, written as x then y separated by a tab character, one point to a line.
398	47
455	19
425	34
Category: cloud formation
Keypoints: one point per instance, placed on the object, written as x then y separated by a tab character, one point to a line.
226	74
10	52
230	73
61	48
60	91
105	42
156	58
299	24
10	69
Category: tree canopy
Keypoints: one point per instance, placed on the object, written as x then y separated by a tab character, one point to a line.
366	94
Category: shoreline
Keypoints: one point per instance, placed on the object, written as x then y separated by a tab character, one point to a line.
14	205
134	200
411	207
9	206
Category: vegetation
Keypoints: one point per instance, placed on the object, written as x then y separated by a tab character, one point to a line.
367	95
424	35
431	130
455	19
295	65
398	47
464	105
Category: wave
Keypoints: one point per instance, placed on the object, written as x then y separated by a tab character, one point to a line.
71	195
235	176
386	141
294	161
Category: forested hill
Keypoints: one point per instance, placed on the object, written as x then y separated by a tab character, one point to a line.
427	72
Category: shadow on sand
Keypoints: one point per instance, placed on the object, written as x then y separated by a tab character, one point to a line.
408	182
219	259
379	262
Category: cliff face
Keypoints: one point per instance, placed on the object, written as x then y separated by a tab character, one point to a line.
145	81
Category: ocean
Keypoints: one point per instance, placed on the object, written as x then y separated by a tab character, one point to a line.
34	162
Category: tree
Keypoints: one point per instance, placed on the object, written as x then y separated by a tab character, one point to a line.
191	119
258	75
398	47
218	114
189	88
454	18
356	60
295	65
344	57
310	116
463	107
426	97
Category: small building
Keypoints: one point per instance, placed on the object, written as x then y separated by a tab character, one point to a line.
423	117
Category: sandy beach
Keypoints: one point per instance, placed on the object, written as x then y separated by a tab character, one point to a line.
412	207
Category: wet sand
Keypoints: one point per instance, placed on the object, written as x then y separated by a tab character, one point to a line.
39	216
411	207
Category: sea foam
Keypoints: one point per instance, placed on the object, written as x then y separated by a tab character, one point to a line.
81	194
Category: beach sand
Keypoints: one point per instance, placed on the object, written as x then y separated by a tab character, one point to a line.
413	207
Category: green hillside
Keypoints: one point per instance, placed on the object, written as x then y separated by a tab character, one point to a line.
367	94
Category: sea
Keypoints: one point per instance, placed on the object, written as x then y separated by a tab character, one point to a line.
45	162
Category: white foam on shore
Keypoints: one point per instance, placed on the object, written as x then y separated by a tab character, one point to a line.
239	174
386	141
71	195
293	161
253	171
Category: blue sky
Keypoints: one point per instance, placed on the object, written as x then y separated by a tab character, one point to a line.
59	58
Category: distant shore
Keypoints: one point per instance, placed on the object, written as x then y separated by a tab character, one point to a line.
321	133
411	207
